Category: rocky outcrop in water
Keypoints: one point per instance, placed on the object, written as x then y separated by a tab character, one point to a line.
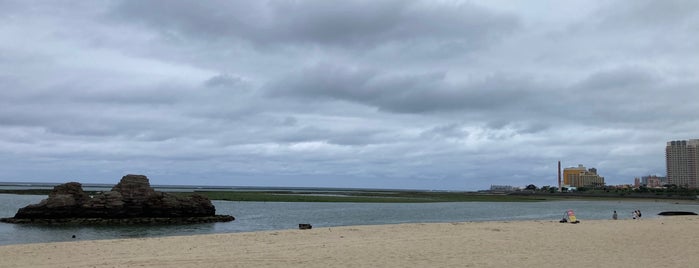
133	200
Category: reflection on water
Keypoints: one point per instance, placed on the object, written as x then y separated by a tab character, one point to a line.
257	216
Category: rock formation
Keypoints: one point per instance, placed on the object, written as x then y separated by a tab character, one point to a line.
133	200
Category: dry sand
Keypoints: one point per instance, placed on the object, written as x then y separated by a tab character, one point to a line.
661	242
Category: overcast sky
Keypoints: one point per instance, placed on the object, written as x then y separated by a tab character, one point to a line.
454	95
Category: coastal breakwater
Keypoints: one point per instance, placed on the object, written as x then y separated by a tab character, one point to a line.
131	201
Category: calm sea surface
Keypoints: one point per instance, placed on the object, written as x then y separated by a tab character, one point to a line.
258	216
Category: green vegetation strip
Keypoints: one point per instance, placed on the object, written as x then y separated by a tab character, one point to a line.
333	196
363	197
45	192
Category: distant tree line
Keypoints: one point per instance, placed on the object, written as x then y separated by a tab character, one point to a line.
668	189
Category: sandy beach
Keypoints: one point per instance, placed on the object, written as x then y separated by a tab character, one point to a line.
660	242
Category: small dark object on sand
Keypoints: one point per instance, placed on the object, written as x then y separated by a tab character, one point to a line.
305	226
677	213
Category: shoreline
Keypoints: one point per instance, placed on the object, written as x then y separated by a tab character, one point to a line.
621	243
360	196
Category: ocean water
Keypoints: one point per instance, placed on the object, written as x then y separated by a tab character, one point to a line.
260	216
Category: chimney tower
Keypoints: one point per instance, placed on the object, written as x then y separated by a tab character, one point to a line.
559	176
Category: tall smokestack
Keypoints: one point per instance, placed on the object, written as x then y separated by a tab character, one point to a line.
559	176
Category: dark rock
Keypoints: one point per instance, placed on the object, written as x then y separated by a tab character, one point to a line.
63	200
132	200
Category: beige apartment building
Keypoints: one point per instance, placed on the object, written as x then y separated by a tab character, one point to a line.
681	161
582	177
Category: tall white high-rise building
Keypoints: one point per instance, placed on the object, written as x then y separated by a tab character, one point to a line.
682	159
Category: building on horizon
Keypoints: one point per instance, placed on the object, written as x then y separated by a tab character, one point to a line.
503	188
653	181
681	162
582	177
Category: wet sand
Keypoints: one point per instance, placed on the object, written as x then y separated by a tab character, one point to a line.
660	242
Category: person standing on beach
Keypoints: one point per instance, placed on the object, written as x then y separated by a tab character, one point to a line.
639	213
634	214
614	216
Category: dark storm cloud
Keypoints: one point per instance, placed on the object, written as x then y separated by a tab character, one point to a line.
325	23
223	80
403	93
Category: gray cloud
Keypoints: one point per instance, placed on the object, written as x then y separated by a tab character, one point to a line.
632	95
650	15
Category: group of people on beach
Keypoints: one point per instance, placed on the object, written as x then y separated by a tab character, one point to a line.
636	215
